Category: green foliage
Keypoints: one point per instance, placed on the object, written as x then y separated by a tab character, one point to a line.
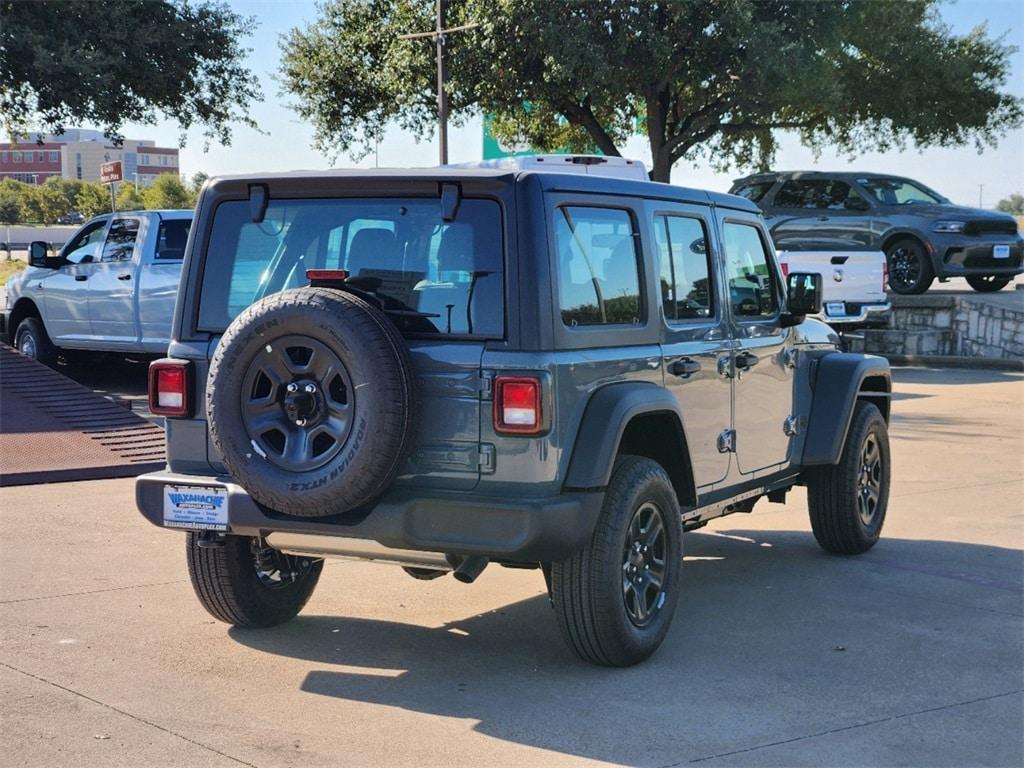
123	61
1013	204
92	200
127	199
11	196
711	78
168	191
47	202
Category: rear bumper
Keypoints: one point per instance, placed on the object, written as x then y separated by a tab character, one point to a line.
856	313
521	530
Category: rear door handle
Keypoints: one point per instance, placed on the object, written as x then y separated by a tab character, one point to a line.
746	360
684	368
81	278
125	276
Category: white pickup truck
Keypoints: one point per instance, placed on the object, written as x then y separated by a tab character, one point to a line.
853	283
111	288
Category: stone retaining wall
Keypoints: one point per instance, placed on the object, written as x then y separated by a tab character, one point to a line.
951	325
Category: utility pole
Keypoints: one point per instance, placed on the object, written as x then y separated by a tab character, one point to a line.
438	34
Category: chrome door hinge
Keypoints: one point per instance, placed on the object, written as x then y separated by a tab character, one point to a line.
793	425
485	460
727	441
789	357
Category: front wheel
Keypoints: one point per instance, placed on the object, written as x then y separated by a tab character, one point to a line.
31	340
245	583
614	599
987	283
910	268
848	501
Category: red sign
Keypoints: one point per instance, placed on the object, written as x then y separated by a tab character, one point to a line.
111	172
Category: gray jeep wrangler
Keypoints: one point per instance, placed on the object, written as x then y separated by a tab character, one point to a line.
447	368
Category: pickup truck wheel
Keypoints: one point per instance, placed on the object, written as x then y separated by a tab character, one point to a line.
32	341
987	283
249	585
311	401
848	501
614	599
910	268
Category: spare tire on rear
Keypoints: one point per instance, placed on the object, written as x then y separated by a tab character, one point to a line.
310	401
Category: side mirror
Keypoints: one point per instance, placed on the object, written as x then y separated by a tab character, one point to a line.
803	297
38	251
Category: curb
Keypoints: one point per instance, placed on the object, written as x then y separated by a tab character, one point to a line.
951	361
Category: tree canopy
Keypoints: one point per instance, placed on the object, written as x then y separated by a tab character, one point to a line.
712	78
123	61
1013	204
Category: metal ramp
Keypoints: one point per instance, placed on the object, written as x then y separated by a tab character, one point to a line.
53	429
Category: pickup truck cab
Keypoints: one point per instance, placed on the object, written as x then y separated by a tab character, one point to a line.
111	288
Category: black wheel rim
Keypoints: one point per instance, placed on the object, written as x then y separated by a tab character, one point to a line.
644	563
276	570
904	267
869	480
297	403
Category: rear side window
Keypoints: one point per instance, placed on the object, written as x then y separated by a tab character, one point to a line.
120	240
819	194
683	265
171	238
748	272
430	276
598	270
754	191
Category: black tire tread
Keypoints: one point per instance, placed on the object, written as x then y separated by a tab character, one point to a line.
978	283
831	491
225	581
46	352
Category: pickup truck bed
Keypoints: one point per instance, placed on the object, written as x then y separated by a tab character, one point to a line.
853	282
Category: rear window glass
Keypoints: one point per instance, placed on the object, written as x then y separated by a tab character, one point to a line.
598	276
430	276
754	191
171	238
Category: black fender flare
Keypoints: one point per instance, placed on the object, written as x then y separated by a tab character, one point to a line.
605	419
838	382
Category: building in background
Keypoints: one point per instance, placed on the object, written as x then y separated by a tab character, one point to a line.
78	154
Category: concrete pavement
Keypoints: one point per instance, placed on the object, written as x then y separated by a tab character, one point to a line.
779	654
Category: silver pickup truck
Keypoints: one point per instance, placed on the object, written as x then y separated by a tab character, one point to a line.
111	288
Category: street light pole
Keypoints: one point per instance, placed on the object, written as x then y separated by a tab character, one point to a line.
439	33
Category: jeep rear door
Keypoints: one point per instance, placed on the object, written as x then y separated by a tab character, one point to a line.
696	345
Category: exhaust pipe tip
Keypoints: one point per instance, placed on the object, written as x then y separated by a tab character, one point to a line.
470	568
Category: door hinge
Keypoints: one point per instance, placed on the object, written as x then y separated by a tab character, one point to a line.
792	425
727	441
790	357
486	385
485	459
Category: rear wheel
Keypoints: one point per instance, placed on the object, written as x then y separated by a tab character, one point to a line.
31	340
987	283
247	584
910	268
614	599
848	501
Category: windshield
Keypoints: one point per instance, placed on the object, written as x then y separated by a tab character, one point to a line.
899	192
428	275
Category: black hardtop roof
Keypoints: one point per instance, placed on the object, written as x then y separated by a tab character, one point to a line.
553	181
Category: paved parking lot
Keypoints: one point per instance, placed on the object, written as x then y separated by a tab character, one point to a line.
780	655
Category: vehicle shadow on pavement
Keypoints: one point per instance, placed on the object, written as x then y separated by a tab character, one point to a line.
773	640
944	376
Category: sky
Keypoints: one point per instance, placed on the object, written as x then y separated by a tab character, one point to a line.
963	175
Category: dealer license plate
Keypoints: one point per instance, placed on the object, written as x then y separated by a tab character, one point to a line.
1000	251
835	308
197	508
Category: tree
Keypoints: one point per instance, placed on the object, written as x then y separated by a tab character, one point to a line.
92	200
48	201
167	191
124	61
127	198
10	212
712	78
1013	204
196	185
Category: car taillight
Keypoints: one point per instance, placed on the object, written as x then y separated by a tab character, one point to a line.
885	276
169	387
785	268
517	405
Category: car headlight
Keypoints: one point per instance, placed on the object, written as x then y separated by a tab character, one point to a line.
948	226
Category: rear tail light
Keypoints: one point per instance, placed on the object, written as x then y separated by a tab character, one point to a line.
885	276
170	386
785	268
517	405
